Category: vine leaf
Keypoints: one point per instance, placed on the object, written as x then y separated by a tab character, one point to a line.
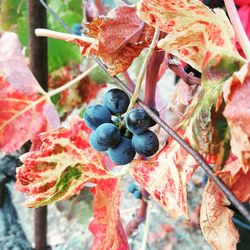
62	165
165	177
23	113
236	178
196	33
119	50
236	93
236	172
106	225
216	219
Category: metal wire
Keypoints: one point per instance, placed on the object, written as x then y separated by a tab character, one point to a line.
206	167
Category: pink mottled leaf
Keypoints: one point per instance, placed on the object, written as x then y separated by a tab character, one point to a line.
106	225
196	33
216	219
236	178
237	111
62	165
165	177
23	111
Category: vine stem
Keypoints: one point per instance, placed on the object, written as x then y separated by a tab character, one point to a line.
143	70
62	36
146	226
238	27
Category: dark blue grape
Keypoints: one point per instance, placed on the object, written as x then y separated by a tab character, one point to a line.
137	121
107	135
132	187
123	153
137	194
95	115
77	29
145	144
94	144
116	101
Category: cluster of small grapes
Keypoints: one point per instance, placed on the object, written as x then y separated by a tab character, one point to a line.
122	136
135	190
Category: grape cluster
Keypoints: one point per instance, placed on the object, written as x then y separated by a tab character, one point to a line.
122	136
135	190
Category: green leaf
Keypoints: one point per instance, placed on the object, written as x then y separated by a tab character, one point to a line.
61	53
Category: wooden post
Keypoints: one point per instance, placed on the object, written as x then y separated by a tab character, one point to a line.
39	66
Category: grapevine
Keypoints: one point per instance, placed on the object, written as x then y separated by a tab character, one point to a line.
121	134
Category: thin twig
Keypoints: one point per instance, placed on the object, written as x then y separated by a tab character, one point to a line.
238	27
146	226
62	36
172	133
143	69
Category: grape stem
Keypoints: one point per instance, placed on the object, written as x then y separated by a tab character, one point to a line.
238	27
62	36
143	70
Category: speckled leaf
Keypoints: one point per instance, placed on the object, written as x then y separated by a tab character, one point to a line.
216	219
165	176
236	178
236	93
119	38
196	33
106	225
23	111
60	168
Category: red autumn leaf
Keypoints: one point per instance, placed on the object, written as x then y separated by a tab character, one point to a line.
165	177
62	165
237	180
237	111
216	219
106	225
24	112
120	38
196	33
